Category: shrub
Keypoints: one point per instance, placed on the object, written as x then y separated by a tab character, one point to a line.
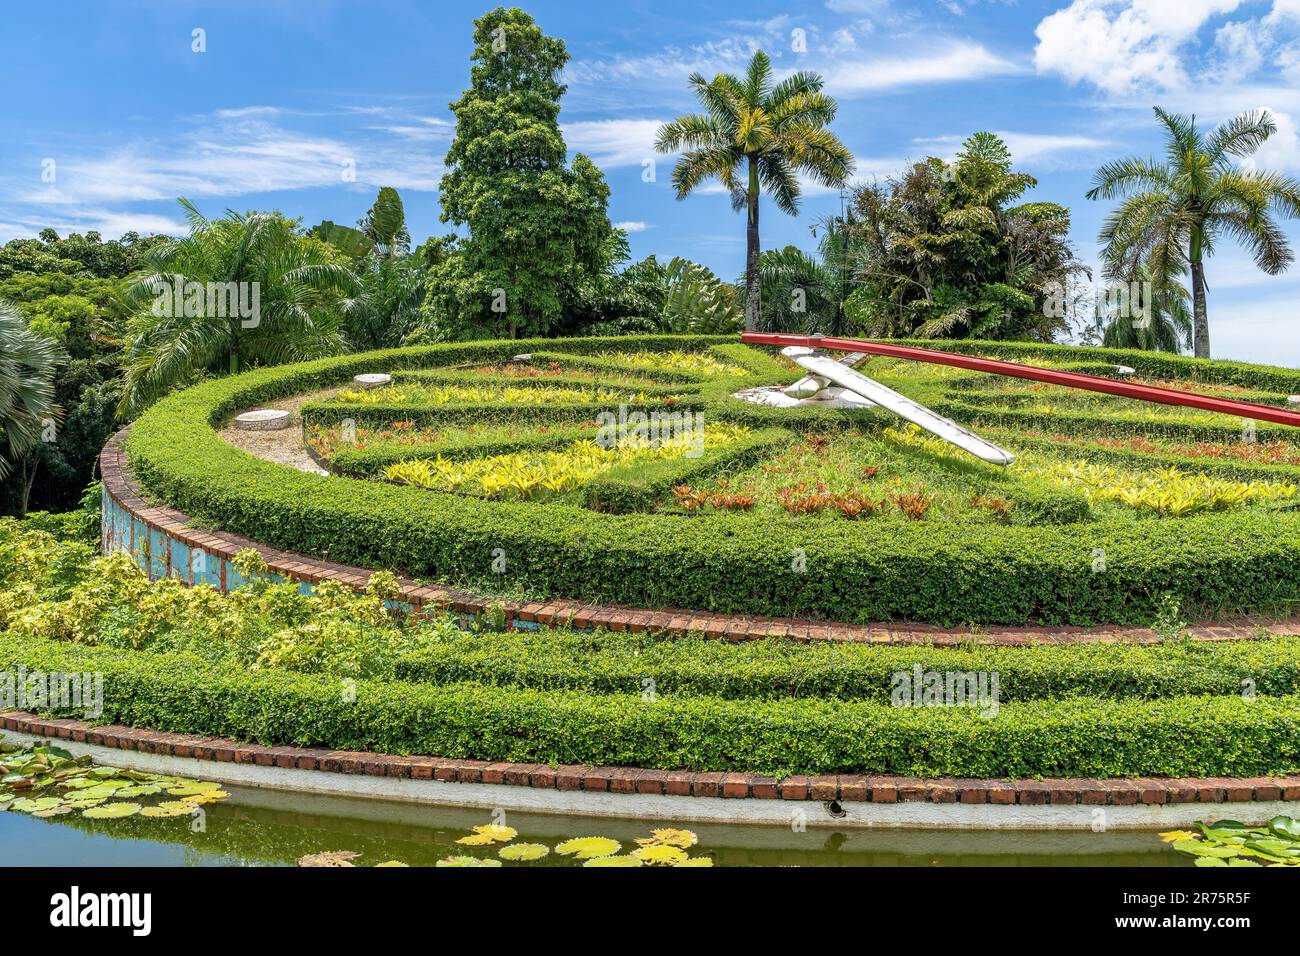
1180	736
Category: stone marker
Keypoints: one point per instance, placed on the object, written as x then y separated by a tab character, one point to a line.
1124	370
262	420
372	379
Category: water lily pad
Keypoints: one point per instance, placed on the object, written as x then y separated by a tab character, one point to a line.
139	790
177	806
29	805
100	791
161	811
329	858
708	861
523	852
112	811
660	854
79	804
466	861
193	787
587	848
670	837
53	811
1205	849
210	796
613	861
489	833
1286	827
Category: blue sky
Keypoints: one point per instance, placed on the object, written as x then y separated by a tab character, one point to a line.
290	97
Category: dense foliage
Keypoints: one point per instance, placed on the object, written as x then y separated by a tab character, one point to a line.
535	222
950	252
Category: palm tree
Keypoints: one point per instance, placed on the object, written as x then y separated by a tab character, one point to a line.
813	294
28	362
391	281
300	284
765	132
1174	212
1166	326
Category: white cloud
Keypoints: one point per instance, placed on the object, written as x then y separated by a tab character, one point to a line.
109	223
236	152
1034	150
948	63
1120	45
631	226
1282	150
613	142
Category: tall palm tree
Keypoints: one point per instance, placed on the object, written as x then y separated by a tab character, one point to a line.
766	133
1174	212
28	362
301	286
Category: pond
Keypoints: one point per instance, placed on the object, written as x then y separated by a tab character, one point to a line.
275	828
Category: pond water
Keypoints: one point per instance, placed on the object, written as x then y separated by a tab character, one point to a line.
271	828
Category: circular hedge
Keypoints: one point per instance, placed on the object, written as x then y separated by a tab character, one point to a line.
1048	554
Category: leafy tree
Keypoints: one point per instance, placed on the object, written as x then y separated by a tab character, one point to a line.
757	135
1175	212
947	250
28	412
87	255
533	221
301	284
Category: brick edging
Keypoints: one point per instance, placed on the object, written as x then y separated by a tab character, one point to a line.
842	788
120	484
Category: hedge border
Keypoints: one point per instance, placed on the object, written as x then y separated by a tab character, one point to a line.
121	487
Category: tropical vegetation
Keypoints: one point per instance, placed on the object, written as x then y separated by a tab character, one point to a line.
1176	211
754	136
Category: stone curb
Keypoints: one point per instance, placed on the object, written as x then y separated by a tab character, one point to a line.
841	788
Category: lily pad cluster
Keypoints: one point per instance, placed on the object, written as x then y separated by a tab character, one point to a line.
664	847
49	782
1229	843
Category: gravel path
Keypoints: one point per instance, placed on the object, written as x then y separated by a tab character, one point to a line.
283	446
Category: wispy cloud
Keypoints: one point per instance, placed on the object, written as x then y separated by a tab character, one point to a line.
614	142
952	62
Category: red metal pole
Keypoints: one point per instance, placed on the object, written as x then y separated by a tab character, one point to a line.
1092	383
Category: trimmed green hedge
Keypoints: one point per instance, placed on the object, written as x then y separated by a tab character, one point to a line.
1267	378
1233	562
1078	424
1182	736
603	662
